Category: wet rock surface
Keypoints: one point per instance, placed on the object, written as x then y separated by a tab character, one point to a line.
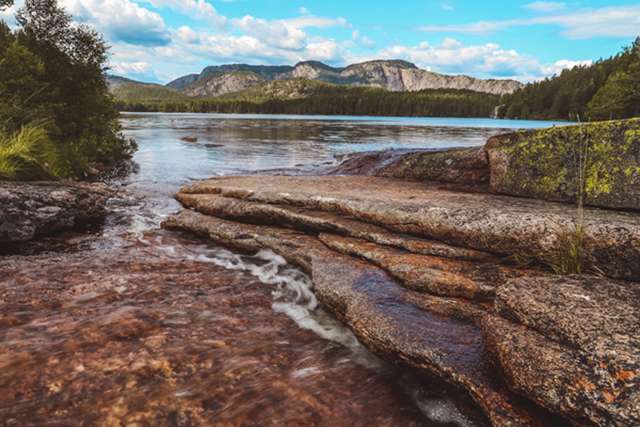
145	335
523	343
498	224
393	321
321	221
32	210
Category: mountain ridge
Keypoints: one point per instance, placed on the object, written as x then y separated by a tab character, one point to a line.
393	75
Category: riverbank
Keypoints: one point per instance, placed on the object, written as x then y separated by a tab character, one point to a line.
423	272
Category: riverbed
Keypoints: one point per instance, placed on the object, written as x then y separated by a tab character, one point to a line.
134	324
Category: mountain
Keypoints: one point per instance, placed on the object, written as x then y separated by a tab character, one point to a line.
222	84
392	75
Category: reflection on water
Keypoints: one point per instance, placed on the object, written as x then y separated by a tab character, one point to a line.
244	143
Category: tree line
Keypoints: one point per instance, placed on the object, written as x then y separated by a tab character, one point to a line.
608	89
339	100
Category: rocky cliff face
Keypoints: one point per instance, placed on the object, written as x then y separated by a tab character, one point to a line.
217	85
397	76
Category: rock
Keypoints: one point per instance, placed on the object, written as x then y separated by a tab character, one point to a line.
406	326
468	166
545	163
216	85
596	315
192	139
573	348
497	224
560	378
28	211
439	276
319	221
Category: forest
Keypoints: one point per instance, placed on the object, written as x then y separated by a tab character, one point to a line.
57	118
337	100
608	89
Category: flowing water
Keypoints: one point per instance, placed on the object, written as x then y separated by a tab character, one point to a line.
211	336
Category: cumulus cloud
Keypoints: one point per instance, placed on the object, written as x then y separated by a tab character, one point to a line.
198	8
120	20
484	60
615	21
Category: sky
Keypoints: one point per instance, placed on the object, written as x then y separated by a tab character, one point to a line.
160	40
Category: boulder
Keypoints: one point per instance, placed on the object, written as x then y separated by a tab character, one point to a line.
545	164
31	210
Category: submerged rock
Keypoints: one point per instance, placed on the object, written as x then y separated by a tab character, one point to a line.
546	163
31	210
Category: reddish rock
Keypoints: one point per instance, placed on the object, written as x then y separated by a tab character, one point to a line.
498	224
385	316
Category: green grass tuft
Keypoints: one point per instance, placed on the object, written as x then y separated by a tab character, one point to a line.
27	155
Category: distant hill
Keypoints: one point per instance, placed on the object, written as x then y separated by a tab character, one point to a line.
124	89
608	89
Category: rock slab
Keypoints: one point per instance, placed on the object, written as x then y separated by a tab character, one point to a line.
31	210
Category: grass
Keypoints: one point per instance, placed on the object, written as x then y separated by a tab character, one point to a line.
27	155
569	255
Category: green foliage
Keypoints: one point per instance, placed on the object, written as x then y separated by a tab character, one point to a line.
27	155
52	72
147	93
608	89
568	257
313	97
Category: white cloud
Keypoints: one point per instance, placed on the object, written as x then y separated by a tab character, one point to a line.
557	67
546	6
362	40
485	60
201	9
480	27
604	22
120	20
616	21
303	11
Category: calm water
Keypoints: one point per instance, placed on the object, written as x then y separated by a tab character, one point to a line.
231	144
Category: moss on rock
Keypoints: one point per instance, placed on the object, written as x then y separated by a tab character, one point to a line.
546	163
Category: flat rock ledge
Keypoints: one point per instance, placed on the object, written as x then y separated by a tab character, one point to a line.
417	272
32	210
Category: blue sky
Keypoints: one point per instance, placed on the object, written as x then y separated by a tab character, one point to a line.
159	40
